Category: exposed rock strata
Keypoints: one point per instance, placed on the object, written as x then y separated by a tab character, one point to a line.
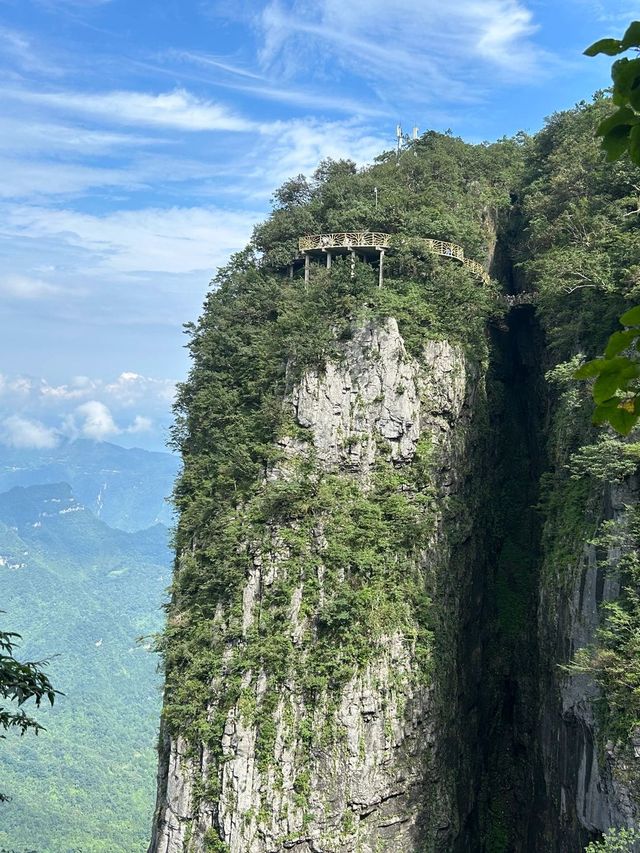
378	783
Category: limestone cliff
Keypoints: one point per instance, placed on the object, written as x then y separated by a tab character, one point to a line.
388	621
371	753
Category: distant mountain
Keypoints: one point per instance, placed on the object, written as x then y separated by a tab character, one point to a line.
80	592
125	487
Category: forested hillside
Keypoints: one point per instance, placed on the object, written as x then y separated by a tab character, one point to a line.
404	607
81	593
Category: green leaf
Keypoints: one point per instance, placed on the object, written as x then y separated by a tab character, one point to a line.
615	373
631	38
606	386
631	317
590	369
620	341
634	144
603	410
625	74
624	116
622	420
616	142
612	47
633	96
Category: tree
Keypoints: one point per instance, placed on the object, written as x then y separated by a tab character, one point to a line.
19	682
615	841
616	390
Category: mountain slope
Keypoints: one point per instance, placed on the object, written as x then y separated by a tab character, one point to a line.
124	487
81	593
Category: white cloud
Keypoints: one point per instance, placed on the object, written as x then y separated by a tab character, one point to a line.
16	431
32	178
174	240
179	109
43	136
25	287
96	421
614	12
19	48
140	424
208	61
298	146
130	388
430	50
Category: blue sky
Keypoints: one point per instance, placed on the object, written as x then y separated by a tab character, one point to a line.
140	141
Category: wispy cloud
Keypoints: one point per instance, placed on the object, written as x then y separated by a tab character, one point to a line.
24	53
173	240
436	46
618	13
37	135
207	61
298	146
25	287
24	178
178	109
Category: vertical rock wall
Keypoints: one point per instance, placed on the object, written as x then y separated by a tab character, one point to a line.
371	767
587	792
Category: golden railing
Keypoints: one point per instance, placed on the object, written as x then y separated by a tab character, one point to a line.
379	240
345	240
452	250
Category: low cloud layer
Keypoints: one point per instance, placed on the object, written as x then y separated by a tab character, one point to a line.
19	432
131	408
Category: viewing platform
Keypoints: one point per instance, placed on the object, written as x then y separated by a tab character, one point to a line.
452	250
376	243
345	241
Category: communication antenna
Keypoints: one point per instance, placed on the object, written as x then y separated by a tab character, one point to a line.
415	132
399	138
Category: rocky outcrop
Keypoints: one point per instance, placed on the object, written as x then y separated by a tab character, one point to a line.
584	774
366	768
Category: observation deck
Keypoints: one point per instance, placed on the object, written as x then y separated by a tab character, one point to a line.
345	240
376	243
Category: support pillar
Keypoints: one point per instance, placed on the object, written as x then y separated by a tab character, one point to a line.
306	267
290	270
353	263
381	270
328	260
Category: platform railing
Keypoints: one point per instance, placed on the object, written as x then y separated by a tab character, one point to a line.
379	240
345	240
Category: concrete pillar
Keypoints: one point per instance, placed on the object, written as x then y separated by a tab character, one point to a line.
306	268
328	260
381	270
290	270
353	263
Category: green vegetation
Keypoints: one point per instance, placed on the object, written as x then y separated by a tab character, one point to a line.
614	659
558	220
20	681
616	390
349	550
80	593
620	132
616	841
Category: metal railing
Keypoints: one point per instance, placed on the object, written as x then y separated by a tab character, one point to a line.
452	250
345	240
379	240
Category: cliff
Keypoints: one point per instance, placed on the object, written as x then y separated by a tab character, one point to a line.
386	610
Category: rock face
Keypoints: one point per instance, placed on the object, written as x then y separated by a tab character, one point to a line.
377	774
586	785
406	752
